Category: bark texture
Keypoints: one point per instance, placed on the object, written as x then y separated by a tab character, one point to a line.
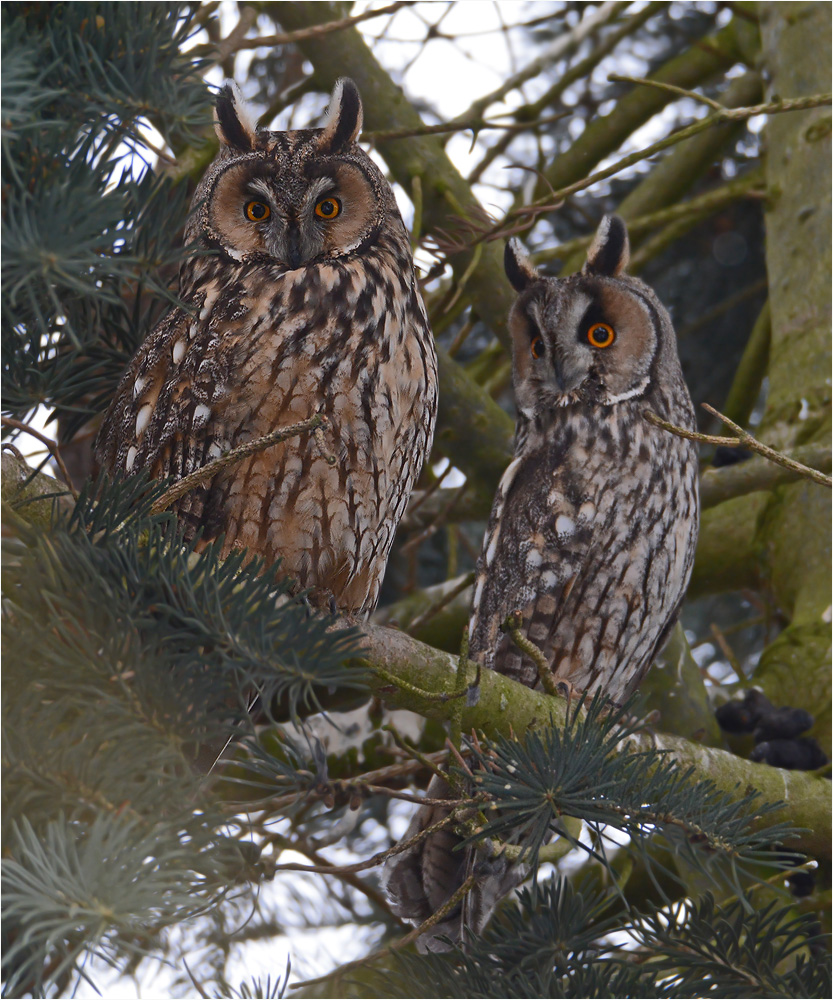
794	536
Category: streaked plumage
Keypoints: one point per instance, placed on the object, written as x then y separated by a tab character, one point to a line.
306	302
593	528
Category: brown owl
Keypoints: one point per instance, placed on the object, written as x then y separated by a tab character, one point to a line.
593	528
301	298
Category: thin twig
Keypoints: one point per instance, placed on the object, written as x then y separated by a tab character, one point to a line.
437	606
535	209
530	112
475	124
565	43
53	447
220	51
743	440
426	760
208	471
399	848
423	495
290	37
752	184
349	878
460	337
726	649
437	523
371	779
680	91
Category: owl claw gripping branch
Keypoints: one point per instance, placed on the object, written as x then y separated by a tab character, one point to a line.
303	300
592	532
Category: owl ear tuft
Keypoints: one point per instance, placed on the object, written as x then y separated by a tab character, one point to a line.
610	250
519	268
232	121
344	117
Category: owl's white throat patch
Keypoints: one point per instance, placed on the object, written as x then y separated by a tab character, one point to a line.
609	398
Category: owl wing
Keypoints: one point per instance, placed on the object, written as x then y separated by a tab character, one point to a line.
530	564
163	415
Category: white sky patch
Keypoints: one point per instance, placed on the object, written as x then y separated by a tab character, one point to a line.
453	479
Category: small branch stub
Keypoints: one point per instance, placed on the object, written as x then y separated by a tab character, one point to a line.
512	626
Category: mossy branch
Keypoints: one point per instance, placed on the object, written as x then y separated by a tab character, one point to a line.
506	707
718	485
406	673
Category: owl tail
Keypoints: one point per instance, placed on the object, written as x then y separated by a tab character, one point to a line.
422	879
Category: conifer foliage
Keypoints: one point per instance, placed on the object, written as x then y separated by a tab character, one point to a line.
128	657
133	660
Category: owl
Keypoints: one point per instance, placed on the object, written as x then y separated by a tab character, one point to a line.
300	298
593	528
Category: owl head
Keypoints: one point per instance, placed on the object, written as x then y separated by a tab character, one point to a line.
291	198
598	337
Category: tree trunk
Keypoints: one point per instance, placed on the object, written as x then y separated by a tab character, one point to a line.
794	534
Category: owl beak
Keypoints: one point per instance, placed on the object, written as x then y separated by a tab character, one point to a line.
568	376
294	257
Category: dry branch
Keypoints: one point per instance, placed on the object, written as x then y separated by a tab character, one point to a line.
743	440
210	469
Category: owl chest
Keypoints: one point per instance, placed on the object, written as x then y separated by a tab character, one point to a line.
599	513
616	469
325	503
346	372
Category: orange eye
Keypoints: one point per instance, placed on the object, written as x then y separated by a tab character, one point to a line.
601	335
536	348
328	208
257	211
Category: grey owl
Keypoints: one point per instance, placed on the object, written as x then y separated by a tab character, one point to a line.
301	298
593	528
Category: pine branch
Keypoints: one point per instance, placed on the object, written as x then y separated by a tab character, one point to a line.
505	707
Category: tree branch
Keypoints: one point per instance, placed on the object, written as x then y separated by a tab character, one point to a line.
718	485
210	469
743	440
237	42
506	707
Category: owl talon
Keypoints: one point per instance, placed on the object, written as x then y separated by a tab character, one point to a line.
512	625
